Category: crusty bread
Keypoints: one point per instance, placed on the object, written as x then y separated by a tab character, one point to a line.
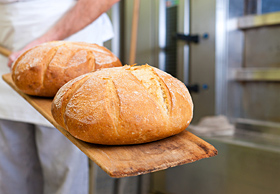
123	105
42	70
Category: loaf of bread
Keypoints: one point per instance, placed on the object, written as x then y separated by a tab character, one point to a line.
123	105
42	70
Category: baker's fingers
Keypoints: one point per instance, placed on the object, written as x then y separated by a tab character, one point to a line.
13	57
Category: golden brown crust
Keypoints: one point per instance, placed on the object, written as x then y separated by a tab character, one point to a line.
42	70
123	105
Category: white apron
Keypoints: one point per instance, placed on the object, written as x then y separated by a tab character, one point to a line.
22	22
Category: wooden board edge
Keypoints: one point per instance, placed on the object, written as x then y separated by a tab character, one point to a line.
160	168
210	151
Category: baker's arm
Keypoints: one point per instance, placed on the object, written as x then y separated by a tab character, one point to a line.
77	18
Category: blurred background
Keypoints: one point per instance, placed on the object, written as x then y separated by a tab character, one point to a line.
227	52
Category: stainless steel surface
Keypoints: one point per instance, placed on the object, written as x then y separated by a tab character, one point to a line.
262	47
260	101
253	21
253	70
263	128
234	46
255	74
202	57
221	57
234	53
183	49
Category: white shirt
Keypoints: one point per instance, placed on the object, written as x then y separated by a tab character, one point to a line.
27	21
13	1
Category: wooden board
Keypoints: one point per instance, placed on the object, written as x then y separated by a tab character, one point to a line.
131	160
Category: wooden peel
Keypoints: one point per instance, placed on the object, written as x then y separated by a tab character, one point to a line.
5	52
131	160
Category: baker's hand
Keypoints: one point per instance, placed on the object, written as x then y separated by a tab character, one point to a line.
13	57
16	54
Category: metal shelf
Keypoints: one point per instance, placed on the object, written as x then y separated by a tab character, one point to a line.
263	127
255	74
254	21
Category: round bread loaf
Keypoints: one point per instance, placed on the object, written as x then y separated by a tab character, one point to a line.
43	69
123	105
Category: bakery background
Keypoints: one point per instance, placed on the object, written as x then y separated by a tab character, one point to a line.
227	52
